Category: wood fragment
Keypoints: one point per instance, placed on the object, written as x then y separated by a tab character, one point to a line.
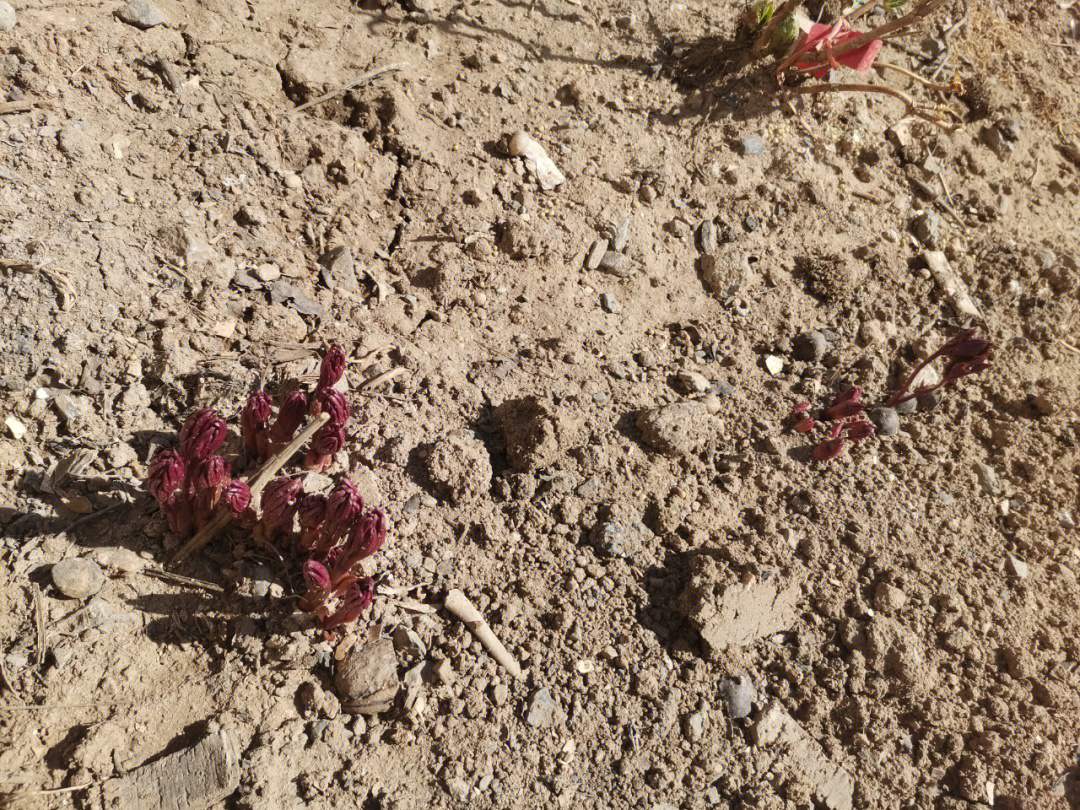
169	576
39	627
459	605
255	484
371	75
381	378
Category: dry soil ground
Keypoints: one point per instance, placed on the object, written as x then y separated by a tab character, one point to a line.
600	457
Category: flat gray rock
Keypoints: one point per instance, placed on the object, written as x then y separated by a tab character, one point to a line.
142	14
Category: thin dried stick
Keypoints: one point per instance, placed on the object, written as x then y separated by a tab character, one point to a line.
765	38
169	576
912	107
364	79
952	87
39	627
866	8
256	484
381	378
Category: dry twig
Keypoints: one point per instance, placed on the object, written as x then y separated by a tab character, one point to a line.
364	79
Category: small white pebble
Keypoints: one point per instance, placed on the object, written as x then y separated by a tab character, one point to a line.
17	428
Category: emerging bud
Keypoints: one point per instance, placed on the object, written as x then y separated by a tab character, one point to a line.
829	449
334	403
845	405
859	429
367	536
279	502
805	425
213	473
165	475
316	575
289	417
342	508
237	497
965	347
203	433
357	599
332	368
253	421
325	444
311	513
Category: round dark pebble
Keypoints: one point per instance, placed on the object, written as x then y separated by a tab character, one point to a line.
907	408
810	346
887	421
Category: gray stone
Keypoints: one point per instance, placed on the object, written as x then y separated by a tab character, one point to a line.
887	421
988	477
7	16
284	292
810	346
610	303
694	726
261	580
752	145
612	538
691	382
596	254
707	236
458	788
543	711
927	229
739	694
888	598
77	578
615	263
621	234
907	407
339	269
141	14
118	560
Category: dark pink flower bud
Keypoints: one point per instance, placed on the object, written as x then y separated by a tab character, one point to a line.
203	433
213	473
342	508
829	449
859	429
357	599
332	367
367	536
325	444
279	502
253	421
334	403
312	511
805	425
800	408
316	575
237	496
289	417
845	405
965	347
165	474
332	557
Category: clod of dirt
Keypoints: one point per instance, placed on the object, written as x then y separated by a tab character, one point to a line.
734	612
530	433
525	239
95	751
894	650
196	778
621	539
679	429
888	598
367	680
722	278
141	14
459	468
77	578
831	276
802	758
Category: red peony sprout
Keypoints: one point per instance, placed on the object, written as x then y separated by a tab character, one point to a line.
325	444
253	421
289	418
202	435
331	369
165	475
